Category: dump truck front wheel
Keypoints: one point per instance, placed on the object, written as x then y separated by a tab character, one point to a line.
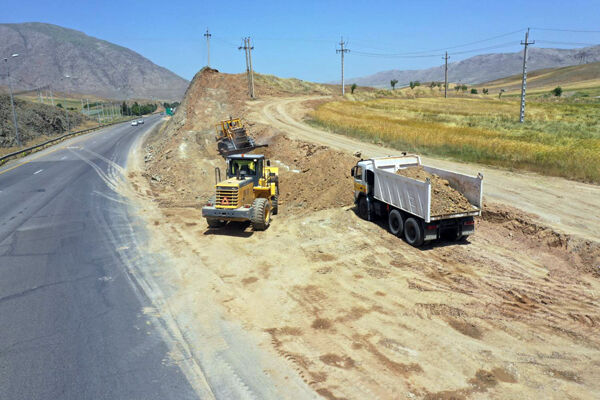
413	232
261	214
395	223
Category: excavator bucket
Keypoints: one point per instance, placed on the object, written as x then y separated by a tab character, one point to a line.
232	138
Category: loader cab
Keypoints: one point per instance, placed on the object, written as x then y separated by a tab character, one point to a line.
246	166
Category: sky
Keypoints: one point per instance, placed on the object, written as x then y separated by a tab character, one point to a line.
299	38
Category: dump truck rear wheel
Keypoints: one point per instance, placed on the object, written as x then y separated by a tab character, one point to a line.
261	214
275	202
413	232
395	223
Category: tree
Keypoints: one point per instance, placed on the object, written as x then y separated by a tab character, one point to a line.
432	85
124	108
557	91
59	105
352	88
393	83
463	87
473	91
485	91
500	93
457	88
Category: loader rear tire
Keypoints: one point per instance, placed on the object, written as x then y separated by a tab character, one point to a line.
261	214
413	232
395	223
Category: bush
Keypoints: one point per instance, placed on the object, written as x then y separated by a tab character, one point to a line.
473	91
557	91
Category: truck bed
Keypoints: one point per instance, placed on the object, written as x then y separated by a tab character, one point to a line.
414	196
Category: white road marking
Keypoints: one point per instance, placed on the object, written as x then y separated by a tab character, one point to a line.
37	172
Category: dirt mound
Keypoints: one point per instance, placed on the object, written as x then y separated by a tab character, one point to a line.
444	199
182	156
34	120
312	177
584	254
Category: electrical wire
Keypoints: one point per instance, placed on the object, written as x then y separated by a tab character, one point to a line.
564	30
457	46
568	43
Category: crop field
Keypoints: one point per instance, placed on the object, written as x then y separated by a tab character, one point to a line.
558	138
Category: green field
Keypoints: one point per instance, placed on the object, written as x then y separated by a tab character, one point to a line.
560	138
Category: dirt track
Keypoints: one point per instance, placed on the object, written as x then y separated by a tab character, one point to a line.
568	206
355	311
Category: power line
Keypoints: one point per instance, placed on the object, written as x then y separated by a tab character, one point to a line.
207	36
460	45
568	43
564	30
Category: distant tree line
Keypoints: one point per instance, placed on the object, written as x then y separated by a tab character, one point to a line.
175	104
138	109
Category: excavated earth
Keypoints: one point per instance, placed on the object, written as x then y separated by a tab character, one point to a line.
445	199
355	311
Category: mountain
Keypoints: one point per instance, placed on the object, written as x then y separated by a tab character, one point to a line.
574	77
486	67
49	52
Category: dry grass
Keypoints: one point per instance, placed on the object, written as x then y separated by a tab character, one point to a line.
560	139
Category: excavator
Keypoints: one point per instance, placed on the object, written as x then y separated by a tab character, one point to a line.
232	138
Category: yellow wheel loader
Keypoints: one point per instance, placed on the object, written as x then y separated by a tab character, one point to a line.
249	192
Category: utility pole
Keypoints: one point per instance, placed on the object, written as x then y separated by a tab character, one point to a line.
249	73
12	102
250	48
207	35
40	94
524	82
342	50
51	97
445	58
88	106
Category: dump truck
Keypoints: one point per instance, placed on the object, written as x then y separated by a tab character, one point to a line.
250	192
380	191
232	138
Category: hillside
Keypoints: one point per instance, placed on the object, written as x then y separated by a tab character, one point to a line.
485	67
48	52
573	77
34	120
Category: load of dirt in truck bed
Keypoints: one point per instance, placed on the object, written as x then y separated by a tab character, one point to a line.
444	198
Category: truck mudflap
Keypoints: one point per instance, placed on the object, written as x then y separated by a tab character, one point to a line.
235	214
454	228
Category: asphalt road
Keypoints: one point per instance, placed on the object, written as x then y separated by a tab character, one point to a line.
72	324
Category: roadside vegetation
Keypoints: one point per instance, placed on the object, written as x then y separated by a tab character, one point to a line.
559	137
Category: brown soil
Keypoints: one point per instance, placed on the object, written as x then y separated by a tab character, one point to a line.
444	198
355	311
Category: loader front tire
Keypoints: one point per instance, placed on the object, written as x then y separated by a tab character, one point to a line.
261	214
214	223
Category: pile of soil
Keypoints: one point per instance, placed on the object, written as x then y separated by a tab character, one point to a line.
34	120
311	177
444	198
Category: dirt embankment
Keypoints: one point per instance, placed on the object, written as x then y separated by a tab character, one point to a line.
353	309
34	120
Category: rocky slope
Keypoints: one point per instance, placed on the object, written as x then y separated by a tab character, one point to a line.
48	52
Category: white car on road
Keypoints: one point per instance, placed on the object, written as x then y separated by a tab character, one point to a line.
134	123
140	121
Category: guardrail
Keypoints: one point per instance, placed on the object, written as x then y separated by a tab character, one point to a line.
41	146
